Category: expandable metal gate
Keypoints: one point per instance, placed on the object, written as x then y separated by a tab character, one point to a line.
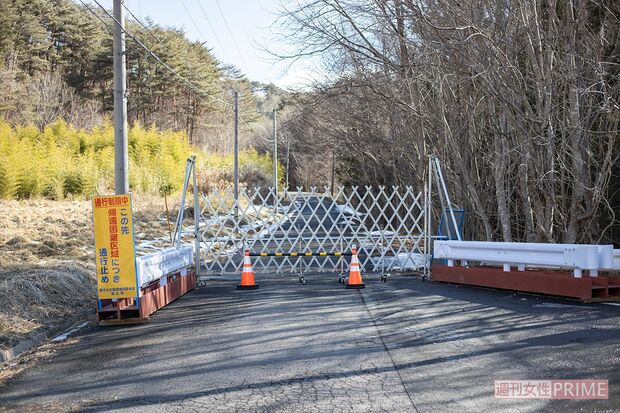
311	231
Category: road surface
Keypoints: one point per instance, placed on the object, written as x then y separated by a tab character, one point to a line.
401	346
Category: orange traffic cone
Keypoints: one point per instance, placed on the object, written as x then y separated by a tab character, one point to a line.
247	275
355	274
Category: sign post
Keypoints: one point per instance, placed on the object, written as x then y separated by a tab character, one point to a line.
115	248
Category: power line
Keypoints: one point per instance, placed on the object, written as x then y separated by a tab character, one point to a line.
256	134
155	56
217	39
231	35
192	20
107	26
165	65
148	31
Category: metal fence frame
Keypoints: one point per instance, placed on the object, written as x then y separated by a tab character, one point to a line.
382	221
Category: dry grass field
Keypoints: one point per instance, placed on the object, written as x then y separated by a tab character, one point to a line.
47	263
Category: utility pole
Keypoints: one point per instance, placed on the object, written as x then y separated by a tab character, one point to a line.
121	172
288	148
275	157
333	169
236	150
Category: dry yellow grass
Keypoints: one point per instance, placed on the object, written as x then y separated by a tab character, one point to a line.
47	270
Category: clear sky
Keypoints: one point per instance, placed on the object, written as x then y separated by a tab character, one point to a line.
249	22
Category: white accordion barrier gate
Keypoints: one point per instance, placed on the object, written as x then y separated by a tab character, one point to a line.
310	231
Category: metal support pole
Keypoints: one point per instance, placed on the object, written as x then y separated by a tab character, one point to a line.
425	250
430	215
442	201
341	258
275	157
236	152
445	190
121	175
178	229
383	255
196	220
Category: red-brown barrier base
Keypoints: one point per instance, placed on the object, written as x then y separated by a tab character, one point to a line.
154	297
557	283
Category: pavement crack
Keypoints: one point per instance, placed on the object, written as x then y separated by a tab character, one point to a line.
387	350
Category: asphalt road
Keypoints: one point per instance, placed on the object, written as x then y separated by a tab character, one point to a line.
401	346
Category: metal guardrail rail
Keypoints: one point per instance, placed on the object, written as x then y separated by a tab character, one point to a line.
578	257
616	260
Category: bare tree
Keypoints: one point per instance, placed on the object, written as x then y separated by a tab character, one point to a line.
519	98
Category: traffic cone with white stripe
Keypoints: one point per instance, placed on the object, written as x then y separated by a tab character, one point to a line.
247	275
355	274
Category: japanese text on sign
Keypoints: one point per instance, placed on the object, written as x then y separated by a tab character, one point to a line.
114	247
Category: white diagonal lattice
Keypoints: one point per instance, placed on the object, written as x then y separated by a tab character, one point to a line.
385	224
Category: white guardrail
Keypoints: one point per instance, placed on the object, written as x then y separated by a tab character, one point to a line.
616	260
578	257
158	264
